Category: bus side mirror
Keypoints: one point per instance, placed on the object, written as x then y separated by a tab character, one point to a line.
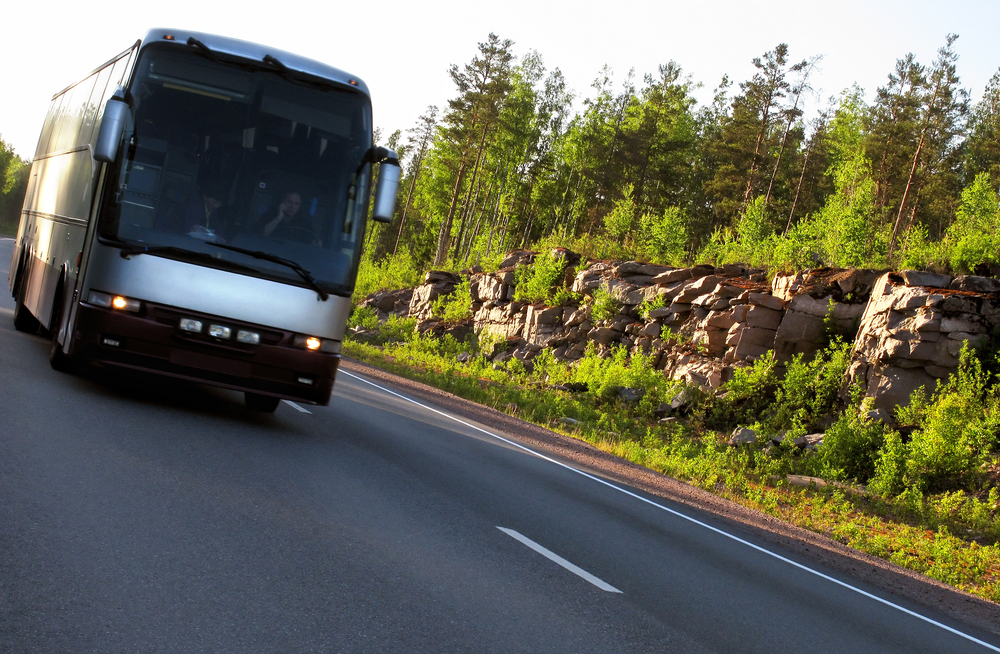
385	188
116	115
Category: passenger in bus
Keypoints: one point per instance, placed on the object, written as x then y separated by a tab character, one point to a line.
203	215
287	221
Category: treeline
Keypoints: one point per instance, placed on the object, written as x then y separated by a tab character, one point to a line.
13	183
644	171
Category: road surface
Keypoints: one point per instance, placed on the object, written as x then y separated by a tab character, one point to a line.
144	514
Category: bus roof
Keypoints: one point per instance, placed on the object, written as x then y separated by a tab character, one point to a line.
255	51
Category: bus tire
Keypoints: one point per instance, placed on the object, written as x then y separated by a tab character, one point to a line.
59	360
23	320
262	403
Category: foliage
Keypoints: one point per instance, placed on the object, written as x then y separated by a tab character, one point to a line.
974	237
663	237
651	304
809	389
455	306
538	282
851	446
13	183
396	271
605	306
746	396
957	431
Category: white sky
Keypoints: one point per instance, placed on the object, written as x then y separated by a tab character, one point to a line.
403	49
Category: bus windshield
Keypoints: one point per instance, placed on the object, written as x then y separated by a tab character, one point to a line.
257	159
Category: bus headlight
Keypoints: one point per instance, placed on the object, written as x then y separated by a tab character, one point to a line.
315	344
191	325
220	331
109	301
250	338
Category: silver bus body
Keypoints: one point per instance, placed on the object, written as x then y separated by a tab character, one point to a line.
236	203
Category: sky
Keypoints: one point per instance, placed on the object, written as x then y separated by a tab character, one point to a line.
403	49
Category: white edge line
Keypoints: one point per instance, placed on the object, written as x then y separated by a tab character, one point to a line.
685	517
552	556
297	407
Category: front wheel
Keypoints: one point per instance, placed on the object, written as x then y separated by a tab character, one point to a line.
262	403
59	360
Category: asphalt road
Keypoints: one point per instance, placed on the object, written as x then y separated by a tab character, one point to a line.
142	514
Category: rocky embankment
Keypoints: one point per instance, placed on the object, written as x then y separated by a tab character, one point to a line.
907	327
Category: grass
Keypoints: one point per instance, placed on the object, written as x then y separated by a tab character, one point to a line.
950	536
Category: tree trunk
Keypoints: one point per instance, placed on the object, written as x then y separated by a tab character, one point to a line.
444	235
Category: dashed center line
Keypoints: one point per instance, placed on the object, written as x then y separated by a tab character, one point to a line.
297	407
552	556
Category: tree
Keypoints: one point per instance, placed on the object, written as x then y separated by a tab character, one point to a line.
944	109
983	143
482	84
749	138
13	183
419	142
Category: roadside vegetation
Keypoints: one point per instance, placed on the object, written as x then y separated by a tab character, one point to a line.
13	182
924	497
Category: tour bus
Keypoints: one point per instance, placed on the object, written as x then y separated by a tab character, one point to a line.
196	208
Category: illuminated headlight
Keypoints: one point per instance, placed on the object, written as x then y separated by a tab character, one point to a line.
315	344
191	325
250	338
109	301
219	331
125	303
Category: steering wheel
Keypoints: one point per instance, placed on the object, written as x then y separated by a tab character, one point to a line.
297	234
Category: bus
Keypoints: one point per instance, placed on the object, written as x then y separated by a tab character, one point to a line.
196	208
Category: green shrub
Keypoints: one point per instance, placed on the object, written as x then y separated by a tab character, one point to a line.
958	429
651	304
605	306
663	238
455	306
852	445
745	397
536	283
397	271
890	467
364	318
809	389
974	237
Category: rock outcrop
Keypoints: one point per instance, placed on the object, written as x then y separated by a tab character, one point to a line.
697	324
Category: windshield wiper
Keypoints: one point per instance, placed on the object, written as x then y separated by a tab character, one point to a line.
128	250
302	272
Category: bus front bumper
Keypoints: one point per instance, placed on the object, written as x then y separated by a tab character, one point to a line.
151	341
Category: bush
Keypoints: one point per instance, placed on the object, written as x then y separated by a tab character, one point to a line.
663	238
809	389
455	306
651	304
397	271
537	282
852	445
747	396
958	429
974	238
605	306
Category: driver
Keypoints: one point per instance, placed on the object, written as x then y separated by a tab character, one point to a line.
286	221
